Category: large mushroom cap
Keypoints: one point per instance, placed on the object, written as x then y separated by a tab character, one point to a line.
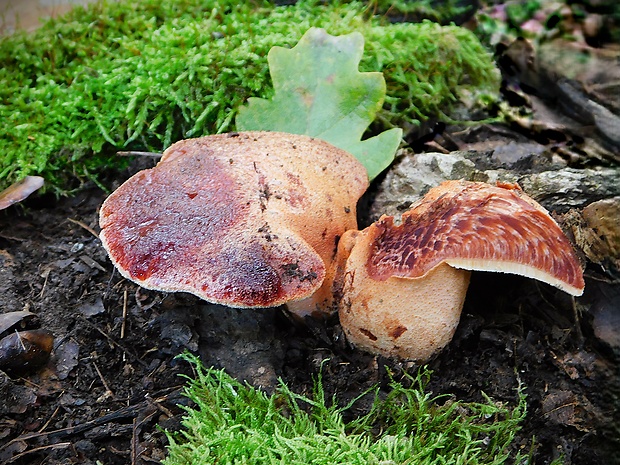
404	284
246	220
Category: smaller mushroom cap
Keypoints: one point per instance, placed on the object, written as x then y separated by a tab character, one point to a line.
246	219
404	284
477	226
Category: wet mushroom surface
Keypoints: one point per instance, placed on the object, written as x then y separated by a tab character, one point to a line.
112	376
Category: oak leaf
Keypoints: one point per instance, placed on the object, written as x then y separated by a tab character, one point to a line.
320	92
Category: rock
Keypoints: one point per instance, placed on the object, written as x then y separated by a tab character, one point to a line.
555	187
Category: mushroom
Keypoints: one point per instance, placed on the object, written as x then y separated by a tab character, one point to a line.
249	219
261	219
404	285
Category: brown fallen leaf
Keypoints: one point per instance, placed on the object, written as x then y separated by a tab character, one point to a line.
596	232
563	407
20	190
7	320
604	217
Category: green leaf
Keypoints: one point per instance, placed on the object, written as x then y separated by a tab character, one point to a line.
320	92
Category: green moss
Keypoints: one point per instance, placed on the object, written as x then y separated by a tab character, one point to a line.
428	68
139	75
233	423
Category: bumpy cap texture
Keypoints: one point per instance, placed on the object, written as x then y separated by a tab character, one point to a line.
243	219
476	226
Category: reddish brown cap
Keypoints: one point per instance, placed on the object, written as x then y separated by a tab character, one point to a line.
476	226
245	219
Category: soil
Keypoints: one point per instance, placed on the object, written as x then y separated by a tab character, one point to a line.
113	379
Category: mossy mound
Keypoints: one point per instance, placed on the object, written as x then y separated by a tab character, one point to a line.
139	75
234	423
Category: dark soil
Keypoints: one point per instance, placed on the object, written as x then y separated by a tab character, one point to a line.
113	378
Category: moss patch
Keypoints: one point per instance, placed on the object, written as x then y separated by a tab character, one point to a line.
234	423
139	75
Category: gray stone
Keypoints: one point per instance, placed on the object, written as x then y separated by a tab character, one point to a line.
555	187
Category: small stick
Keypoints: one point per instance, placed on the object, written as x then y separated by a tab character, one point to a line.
47	274
134	441
160	407
19	338
130	411
124	314
109	392
132	153
115	343
49	420
85	226
59	445
577	321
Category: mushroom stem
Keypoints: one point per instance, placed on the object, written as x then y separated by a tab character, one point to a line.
325	301
410	319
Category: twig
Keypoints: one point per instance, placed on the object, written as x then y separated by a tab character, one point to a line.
47	275
131	153
577	321
560	407
108	288
438	147
160	407
49	419
108	392
114	342
19	338
134	441
144	416
13	238
124	323
60	445
139	300
85	226
130	411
